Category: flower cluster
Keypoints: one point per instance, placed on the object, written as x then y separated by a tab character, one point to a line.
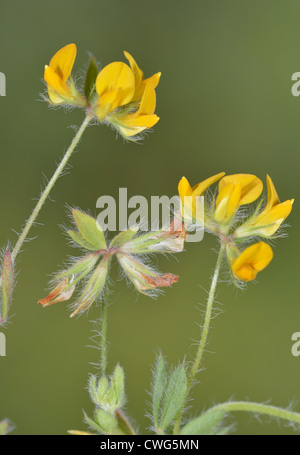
226	216
118	95
92	269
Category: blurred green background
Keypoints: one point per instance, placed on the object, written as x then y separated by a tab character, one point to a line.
225	104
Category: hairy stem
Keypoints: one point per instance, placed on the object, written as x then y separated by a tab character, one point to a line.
103	340
125	423
49	187
205	330
206	326
257	408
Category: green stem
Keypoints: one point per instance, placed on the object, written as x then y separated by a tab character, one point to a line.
257	408
205	330
209	307
103	340
49	187
124	423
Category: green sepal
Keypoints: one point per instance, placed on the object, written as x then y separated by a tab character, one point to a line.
92	388
83	265
92	424
93	288
118	386
90	81
102	390
106	421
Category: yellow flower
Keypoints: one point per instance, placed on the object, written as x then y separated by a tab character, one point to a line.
144	118
57	75
115	86
271	218
252	260
234	191
189	195
140	82
124	87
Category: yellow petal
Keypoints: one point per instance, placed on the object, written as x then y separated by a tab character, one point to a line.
63	61
184	188
199	189
273	198
274	214
148	103
154	80
191	205
136	125
228	202
251	186
142	121
138	73
108	102
57	86
252	260
143	118
139	90
116	76
140	82
269	222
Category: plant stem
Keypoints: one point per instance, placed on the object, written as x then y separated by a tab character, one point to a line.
49	187
124	422
209	307
103	341
273	411
205	330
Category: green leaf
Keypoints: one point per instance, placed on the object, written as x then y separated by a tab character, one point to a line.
123	237
207	424
174	397
90	80
89	229
78	238
160	380
7	284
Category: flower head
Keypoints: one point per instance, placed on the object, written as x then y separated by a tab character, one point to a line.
222	217
125	99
